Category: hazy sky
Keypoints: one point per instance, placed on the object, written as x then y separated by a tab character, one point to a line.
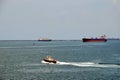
58	19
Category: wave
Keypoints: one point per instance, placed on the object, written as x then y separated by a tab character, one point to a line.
89	64
37	69
1	65
20	47
46	70
78	64
7	47
25	47
30	64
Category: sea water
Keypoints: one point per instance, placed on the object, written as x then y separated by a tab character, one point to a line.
21	60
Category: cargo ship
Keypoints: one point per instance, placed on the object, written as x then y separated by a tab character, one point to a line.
44	39
101	39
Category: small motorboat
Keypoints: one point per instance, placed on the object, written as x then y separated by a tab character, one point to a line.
48	60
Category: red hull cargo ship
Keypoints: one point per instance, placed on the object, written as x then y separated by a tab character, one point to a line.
101	39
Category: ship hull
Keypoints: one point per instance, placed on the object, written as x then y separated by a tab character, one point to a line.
44	40
94	40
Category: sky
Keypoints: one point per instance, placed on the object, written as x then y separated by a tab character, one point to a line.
59	19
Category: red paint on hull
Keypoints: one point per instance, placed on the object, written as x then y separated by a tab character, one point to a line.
94	40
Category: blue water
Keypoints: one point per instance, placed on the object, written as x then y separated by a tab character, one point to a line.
21	60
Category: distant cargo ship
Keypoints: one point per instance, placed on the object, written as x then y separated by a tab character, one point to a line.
44	39
101	39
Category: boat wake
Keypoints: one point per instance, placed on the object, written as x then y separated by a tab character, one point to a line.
88	64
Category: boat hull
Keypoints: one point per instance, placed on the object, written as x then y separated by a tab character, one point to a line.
94	40
45	40
50	61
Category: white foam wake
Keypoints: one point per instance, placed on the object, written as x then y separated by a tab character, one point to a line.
88	64
76	63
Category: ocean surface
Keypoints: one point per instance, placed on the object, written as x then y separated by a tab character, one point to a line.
21	60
